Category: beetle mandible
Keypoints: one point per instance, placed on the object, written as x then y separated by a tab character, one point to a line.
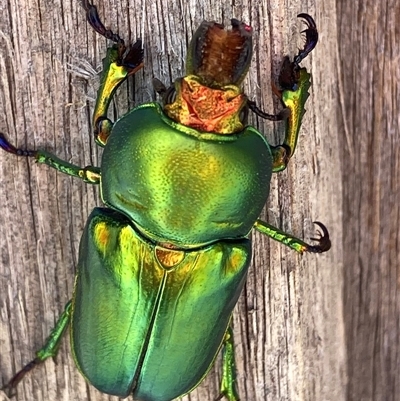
184	182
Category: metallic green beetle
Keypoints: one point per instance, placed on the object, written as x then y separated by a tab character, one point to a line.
161	268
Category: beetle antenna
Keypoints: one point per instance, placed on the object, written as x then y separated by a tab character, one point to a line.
282	115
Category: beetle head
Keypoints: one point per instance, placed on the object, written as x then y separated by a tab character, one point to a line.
208	98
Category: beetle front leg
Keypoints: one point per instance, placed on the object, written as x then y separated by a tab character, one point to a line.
117	66
324	242
49	349
295	83
89	174
294	101
228	380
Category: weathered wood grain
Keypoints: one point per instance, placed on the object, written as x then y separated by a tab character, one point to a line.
308	328
369	63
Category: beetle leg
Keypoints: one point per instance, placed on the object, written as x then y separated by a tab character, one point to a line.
228	381
118	64
294	102
49	349
295	83
324	242
88	174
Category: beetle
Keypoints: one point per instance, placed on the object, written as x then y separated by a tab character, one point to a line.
183	182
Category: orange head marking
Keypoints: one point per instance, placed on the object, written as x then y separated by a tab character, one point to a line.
207	109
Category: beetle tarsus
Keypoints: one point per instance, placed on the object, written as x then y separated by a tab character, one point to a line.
324	242
8	147
133	59
95	22
12	384
311	39
290	70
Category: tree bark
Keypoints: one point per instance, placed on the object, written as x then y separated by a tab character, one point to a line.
307	327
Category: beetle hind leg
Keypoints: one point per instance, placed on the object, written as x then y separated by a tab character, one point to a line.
119	63
228	381
49	349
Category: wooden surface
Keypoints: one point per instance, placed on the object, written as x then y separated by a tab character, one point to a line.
369	63
309	328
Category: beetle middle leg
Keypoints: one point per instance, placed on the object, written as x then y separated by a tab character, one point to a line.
324	242
49	349
89	174
118	64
